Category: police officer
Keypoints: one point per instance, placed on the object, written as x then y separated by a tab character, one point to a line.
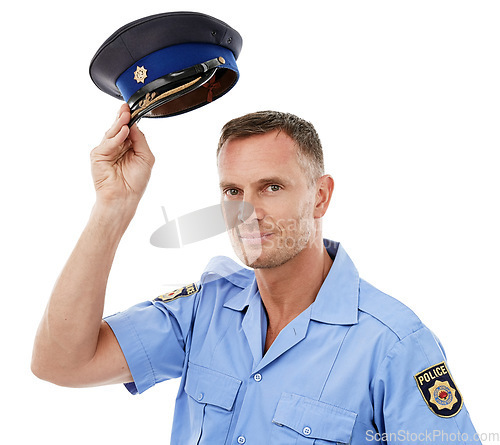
295	349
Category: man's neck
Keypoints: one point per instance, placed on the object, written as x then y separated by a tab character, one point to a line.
288	290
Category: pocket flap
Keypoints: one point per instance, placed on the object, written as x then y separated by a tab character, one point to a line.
208	386
314	419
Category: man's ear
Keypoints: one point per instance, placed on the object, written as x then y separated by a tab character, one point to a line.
324	190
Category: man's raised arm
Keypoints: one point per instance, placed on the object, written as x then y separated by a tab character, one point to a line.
73	346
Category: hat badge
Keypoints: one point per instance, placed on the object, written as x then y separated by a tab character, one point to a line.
140	74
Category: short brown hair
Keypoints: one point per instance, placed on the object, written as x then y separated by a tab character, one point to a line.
310	152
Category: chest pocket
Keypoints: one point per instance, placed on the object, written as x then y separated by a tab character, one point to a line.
300	420
212	400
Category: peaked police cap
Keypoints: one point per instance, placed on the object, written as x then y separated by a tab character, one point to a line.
168	64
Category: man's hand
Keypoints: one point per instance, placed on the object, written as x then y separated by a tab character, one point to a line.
122	163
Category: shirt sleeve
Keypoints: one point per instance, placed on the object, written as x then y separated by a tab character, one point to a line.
415	397
154	335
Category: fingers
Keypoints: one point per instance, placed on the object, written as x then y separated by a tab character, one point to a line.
140	145
113	143
122	118
120	138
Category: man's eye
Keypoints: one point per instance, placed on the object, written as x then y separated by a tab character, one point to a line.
274	188
231	192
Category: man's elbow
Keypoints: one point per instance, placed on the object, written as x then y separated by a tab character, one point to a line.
37	363
56	376
47	368
42	370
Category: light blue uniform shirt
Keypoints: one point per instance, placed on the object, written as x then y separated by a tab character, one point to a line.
349	369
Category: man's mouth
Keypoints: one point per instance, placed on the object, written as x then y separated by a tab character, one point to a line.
254	237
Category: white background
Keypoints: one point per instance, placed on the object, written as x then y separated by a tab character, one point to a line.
406	99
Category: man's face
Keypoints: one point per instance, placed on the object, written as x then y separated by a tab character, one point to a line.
264	171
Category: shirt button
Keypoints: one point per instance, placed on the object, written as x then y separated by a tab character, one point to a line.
306	431
241	439
200	397
257	377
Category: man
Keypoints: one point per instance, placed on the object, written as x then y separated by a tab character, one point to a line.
298	350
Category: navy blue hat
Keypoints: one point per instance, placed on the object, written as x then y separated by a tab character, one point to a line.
168	64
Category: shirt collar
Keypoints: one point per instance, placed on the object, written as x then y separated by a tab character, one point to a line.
242	299
224	267
337	300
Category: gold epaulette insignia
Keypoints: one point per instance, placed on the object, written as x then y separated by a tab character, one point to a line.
185	291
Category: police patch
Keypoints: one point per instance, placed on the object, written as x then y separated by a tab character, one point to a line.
185	291
439	390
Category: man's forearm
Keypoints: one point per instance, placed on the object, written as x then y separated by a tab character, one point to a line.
68	333
73	346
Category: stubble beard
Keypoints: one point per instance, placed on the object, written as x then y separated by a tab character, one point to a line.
277	249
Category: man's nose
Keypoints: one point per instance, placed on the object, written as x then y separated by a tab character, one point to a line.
246	212
238	212
253	208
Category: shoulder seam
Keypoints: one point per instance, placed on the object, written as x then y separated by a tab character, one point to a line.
387	310
396	333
